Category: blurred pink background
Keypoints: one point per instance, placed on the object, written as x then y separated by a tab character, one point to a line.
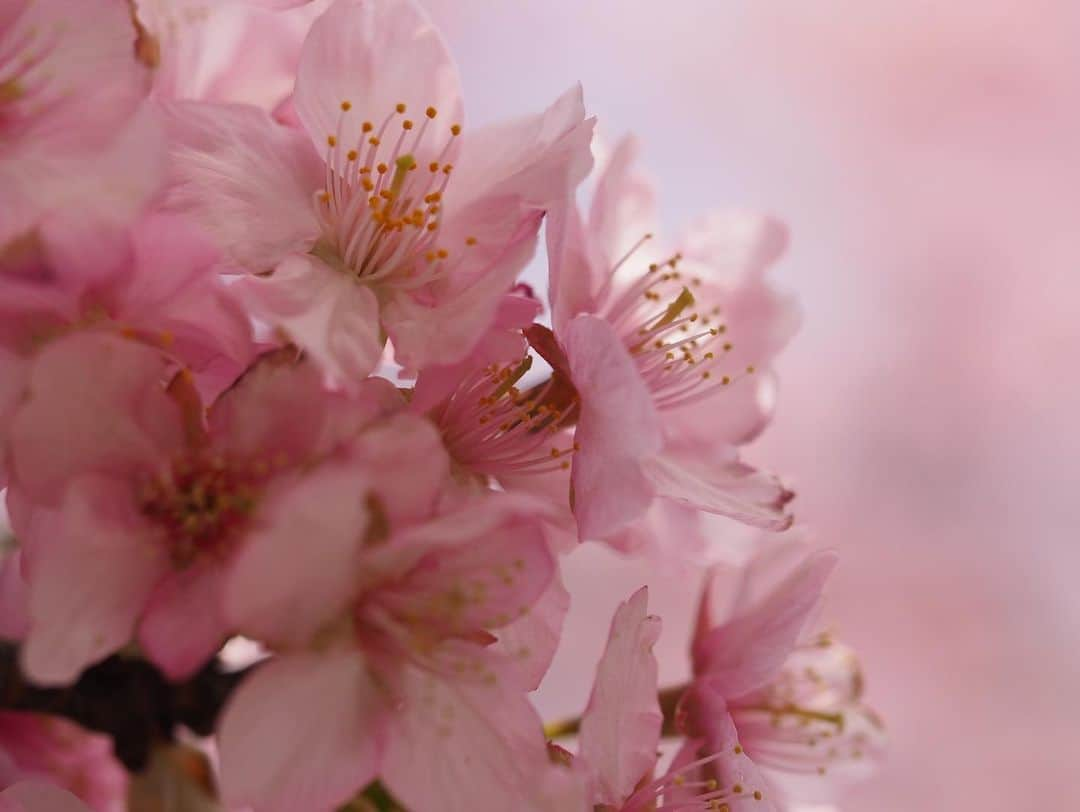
927	158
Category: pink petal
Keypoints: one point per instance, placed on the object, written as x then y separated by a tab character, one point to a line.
444	329
89	583
410	465
59	431
538	159
623	208
553	488
574	270
86	208
620	729
246	179
747	651
298	568
527	646
503	343
728	488
375	55
735	245
485	583
324	311
78	92
617	430
305	731
460	747
280	406
183	625
176	291
31	796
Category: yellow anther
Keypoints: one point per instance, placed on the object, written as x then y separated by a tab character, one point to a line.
750	370
373	141
407	124
442	253
448	169
455	130
431	112
433	166
381	168
470	240
367	127
757	795
352	155
346	106
331	140
400	107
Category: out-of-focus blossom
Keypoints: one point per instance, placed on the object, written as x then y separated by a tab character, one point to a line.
787	709
134	521
33	796
389	623
52	750
663	355
77	157
377	224
163	291
243	51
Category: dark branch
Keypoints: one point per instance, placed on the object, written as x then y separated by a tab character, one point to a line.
126	698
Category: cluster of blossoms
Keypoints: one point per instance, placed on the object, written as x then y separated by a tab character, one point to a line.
268	372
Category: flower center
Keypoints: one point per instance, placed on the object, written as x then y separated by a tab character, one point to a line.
689	788
380	210
811	715
491	427
681	349
200	503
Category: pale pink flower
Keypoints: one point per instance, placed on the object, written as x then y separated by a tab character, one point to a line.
764	692
131	501
379	218
162	289
620	738
398	630
77	157
666	356
33	796
55	751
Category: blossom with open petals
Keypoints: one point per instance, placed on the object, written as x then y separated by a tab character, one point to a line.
767	694
665	356
395	627
131	522
380	217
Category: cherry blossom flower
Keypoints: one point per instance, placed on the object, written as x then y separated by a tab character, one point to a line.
164	291
395	627
620	738
787	707
663	360
379	218
132	521
78	155
48	749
